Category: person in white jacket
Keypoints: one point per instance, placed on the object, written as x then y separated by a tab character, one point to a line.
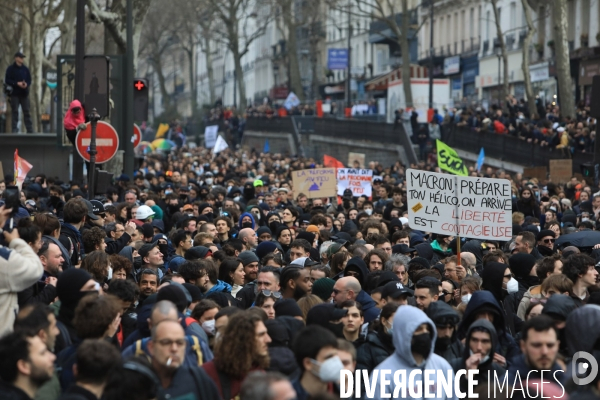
20	268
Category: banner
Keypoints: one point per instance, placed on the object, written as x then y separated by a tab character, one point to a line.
449	161
291	101
315	183
480	159
210	136
22	168
357	180
332	162
220	145
471	207
337	58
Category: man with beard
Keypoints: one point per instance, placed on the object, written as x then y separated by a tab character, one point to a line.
295	282
348	288
268	279
249	238
539	344
195	272
25	365
445	319
250	262
148	284
247	350
44	290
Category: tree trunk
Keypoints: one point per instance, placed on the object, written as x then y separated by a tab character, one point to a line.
563	71
239	75
67	28
36	51
506	77
193	92
162	84
525	66
209	70
292	50
405	48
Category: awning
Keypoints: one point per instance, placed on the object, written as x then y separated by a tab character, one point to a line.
381	82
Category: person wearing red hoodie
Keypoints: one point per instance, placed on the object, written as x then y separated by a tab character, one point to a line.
74	120
242	348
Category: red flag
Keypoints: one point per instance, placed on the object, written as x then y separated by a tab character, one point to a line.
22	167
331	162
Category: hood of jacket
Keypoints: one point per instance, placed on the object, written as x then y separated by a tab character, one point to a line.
71	121
370	310
561	306
246	214
474	246
582	331
127	252
406	321
357	264
441	313
492	277
220	287
481	300
482	324
438	249
425	250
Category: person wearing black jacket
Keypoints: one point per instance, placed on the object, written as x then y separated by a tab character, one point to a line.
378	344
446	320
113	244
44	290
19	78
480	344
497	279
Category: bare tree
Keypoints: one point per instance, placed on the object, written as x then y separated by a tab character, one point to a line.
502	44
205	21
240	22
155	41
386	12
291	22
115	22
563	71
525	64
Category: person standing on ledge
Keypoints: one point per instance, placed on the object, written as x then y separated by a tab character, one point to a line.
18	77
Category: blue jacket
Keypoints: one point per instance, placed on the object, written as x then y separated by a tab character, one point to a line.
15	74
370	310
220	287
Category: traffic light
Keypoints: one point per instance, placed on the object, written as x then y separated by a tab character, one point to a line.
140	99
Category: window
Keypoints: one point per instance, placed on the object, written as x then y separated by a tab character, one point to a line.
488	21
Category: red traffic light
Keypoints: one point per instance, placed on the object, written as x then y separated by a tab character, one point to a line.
139	85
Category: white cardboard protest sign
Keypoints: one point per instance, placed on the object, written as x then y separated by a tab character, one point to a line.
210	136
357	180
479	208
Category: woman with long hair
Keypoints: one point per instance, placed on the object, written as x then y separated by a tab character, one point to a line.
527	204
231	271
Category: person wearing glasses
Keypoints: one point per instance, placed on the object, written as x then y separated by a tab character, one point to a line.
167	349
266	300
545	242
498	279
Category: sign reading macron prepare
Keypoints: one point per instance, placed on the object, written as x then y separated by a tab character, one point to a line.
357	180
314	183
479	208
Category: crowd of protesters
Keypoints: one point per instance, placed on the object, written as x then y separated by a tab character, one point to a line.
207	277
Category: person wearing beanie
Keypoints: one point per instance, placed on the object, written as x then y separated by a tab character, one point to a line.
175	295
545	242
264	234
250	262
323	288
288	307
265	248
71	287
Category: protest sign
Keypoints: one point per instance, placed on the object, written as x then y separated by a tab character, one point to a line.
472	207
210	136
357	180
449	161
314	183
561	171
356	160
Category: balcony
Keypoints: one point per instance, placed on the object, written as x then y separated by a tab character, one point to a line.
486	47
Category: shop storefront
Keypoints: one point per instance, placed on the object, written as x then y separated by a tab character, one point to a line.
543	82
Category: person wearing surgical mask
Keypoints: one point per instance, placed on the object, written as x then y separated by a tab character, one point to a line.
316	352
204	312
479	354
498	279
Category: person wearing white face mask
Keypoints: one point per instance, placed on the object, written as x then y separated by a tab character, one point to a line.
315	349
479	354
498	279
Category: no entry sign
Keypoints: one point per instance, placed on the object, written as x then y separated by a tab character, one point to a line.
137	136
107	142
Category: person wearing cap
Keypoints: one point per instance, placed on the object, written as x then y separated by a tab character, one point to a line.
284	200
74	216
144	214
19	78
395	292
348	288
152	258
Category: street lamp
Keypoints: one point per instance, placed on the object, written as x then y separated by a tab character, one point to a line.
498	52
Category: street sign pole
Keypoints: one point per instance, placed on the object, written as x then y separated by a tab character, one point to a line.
128	162
79	82
94	117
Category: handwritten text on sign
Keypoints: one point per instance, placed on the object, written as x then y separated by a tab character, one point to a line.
357	180
458	205
314	183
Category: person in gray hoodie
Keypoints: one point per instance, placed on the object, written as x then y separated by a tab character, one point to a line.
414	336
